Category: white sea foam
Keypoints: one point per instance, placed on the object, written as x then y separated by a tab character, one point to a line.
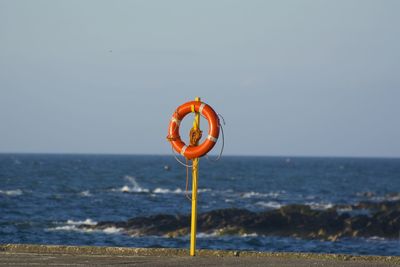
249	235
376	238
387	197
313	205
112	230
394	196
269	204
15	192
85	193
207	235
159	190
69	228
202	190
72	225
87	222
218	234
319	205
134	186
74	228
260	195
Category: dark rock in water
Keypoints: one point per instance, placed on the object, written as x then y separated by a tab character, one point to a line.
291	220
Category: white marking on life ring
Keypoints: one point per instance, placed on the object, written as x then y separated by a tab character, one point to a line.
183	150
178	122
212	138
201	108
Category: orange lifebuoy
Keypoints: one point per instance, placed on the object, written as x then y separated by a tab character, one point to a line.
191	152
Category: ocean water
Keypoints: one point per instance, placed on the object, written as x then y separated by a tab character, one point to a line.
43	198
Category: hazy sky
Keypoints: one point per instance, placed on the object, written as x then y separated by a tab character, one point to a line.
313	78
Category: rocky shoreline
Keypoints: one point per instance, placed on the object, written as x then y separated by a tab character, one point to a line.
365	219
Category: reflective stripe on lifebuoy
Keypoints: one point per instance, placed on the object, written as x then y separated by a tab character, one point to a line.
211	116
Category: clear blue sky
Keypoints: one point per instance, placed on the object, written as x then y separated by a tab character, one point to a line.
313	78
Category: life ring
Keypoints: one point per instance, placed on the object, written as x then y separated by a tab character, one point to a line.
208	112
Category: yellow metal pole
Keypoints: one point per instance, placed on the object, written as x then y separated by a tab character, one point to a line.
195	171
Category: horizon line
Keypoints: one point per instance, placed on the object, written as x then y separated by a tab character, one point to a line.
170	154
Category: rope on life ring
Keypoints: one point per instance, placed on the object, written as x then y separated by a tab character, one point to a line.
194	150
223	142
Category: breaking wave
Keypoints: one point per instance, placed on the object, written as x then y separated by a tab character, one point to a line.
72	225
253	194
133	187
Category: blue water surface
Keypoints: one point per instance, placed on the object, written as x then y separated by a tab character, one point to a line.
43	198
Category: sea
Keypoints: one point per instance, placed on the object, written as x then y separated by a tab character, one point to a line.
44	198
